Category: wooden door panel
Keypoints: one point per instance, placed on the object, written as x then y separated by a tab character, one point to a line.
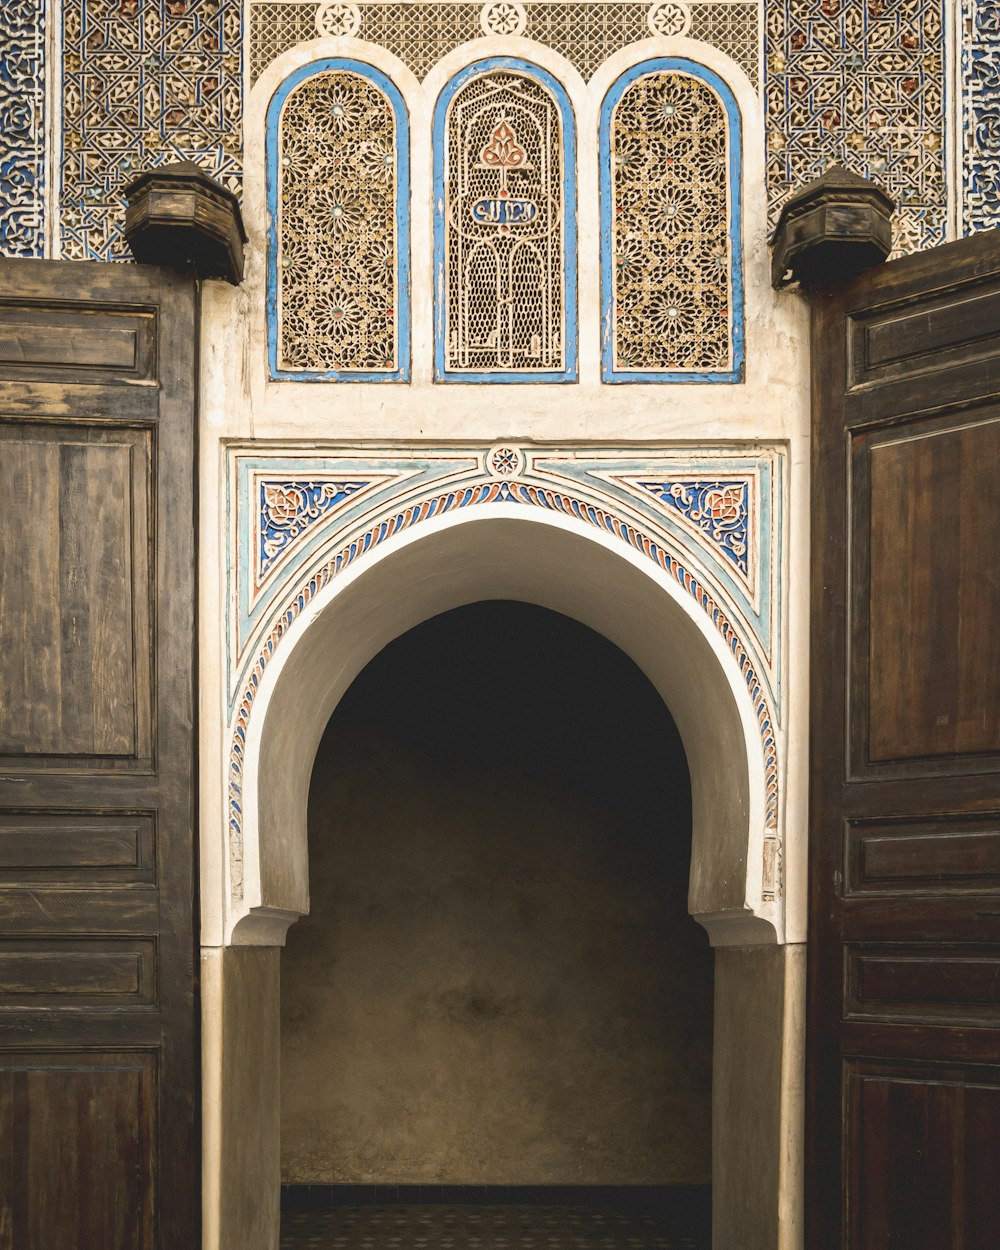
78	972
897	343
78	1126
919	857
98	1004
75	592
920	524
82	849
924	982
91	342
919	1156
903	1052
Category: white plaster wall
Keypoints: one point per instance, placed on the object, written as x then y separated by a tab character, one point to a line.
239	403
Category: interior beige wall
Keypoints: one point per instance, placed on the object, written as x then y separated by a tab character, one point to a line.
498	981
240	1063
757	1091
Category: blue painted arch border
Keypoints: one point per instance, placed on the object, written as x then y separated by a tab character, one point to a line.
385	84
448	93
681	65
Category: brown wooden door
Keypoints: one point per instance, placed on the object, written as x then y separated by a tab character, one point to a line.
903	1086
98	1026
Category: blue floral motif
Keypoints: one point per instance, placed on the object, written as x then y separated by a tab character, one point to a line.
720	508
290	509
22	127
988	20
981	128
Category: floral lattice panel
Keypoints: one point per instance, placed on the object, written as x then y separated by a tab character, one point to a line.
671	207
505	242
586	32
145	82
981	115
22	127
861	82
338	197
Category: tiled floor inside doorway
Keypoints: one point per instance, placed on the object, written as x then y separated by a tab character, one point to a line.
486	1227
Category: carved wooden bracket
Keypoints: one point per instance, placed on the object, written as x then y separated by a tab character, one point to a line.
180	217
831	230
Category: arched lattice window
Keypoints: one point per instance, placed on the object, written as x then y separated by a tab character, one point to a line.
670	238
338	197
505	226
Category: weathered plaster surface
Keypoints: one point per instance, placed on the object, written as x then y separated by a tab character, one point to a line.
241	1056
757	1098
545	563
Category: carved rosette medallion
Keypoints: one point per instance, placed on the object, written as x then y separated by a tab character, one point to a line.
338	20
503	461
669	17
503	17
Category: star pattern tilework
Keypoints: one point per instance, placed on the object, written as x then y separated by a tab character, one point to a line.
484	1228
145	82
22	127
861	82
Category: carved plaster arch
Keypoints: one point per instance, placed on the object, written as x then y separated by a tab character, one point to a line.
541	529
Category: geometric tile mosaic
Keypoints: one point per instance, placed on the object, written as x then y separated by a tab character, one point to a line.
624	494
147	81
861	82
144	82
586	32
485	1228
980	115
22	127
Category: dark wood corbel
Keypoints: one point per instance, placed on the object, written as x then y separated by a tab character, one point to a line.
831	230
178	216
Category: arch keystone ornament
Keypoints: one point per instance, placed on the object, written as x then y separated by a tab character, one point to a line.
675	555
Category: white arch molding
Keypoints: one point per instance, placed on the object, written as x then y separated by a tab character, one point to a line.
503	551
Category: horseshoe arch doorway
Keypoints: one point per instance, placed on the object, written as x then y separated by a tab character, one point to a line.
554	563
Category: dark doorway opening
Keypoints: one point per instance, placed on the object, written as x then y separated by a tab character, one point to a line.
498	999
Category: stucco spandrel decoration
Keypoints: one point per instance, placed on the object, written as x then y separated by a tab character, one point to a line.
145	82
286	506
861	83
22	127
981	115
607	489
586	32
289	510
720	509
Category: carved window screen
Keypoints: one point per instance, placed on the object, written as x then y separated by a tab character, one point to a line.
670	200
505	227
339	201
